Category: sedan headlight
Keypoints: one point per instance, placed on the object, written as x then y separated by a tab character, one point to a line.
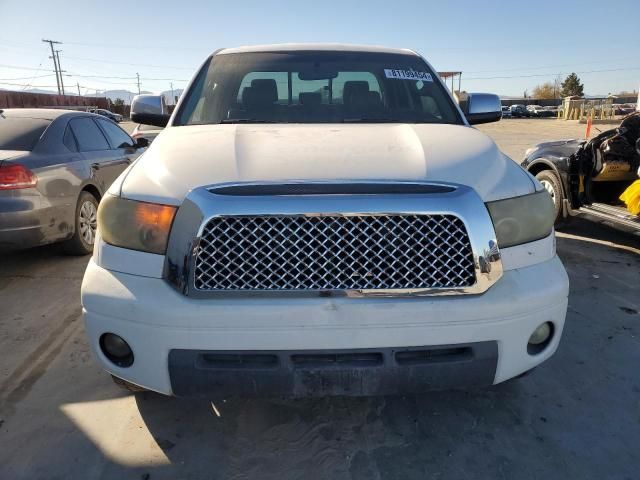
522	219
135	225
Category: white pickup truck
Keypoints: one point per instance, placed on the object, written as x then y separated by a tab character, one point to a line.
322	220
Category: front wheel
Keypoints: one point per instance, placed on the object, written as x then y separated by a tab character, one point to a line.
86	223
551	183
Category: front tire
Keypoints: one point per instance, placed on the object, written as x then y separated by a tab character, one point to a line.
551	183
86	222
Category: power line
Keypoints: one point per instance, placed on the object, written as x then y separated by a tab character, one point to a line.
97	76
132	64
515	69
554	73
17	67
128	47
29	85
28	78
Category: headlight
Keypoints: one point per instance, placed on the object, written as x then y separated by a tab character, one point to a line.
522	219
135	225
529	151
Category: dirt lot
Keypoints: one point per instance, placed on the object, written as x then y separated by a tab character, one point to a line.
577	416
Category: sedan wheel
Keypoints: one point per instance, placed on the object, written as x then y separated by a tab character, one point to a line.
88	221
84	235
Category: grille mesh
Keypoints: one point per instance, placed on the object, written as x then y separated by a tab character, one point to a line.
334	253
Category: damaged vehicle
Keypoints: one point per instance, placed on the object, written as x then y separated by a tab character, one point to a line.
322	219
587	178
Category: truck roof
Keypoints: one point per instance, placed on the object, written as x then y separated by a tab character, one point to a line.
329	47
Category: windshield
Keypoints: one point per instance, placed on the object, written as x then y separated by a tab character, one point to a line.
21	133
316	87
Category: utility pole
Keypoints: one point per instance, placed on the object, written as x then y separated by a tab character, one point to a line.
78	84
173	99
60	70
138	75
55	62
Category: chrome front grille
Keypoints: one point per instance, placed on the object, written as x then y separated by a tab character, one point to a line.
333	252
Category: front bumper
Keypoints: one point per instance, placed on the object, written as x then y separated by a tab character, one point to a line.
157	322
307	373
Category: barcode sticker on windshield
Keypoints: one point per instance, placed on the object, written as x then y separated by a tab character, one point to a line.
407	74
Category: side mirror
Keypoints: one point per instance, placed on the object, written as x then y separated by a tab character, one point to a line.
482	108
149	110
142	142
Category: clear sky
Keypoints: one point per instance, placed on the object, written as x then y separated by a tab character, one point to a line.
166	41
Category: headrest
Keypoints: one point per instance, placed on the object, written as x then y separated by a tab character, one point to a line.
354	87
266	88
310	98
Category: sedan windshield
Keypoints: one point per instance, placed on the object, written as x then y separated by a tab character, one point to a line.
316	87
20	133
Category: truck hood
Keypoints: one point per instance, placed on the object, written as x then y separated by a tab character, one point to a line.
186	157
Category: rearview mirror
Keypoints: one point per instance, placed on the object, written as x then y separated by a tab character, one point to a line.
318	74
482	108
149	110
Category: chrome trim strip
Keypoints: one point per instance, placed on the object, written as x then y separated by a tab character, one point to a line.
201	205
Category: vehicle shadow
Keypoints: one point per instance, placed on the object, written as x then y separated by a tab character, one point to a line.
600	233
360	438
45	261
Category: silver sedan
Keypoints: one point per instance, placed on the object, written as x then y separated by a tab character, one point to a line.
55	165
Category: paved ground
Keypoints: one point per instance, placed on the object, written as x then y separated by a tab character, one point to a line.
577	416
515	135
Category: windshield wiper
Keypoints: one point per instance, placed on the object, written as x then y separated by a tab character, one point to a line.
247	120
369	120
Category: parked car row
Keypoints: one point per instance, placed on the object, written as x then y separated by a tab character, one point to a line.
528	111
624	108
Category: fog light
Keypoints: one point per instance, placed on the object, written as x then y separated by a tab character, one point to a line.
540	338
540	334
116	349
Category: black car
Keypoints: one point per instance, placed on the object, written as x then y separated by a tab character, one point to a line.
55	166
116	117
588	177
519	111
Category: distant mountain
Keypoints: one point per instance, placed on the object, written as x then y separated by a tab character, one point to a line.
112	95
177	92
127	96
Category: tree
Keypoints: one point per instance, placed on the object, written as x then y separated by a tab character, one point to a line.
545	91
118	102
572	86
